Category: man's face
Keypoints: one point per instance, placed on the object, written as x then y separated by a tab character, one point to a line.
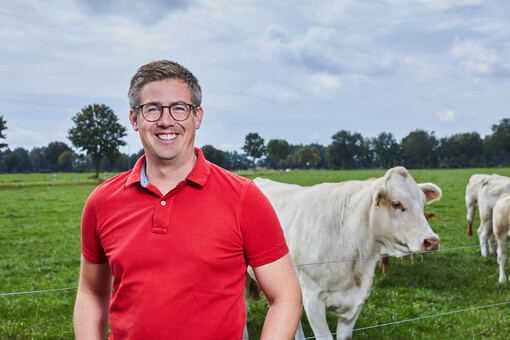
167	140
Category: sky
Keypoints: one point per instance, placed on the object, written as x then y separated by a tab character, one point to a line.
285	69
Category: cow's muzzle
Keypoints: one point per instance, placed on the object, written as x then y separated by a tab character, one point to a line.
431	243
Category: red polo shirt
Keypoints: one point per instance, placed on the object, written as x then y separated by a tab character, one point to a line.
179	261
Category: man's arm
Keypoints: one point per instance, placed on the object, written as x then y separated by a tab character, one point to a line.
279	282
92	301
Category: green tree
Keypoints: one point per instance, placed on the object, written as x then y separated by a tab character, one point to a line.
98	132
52	152
498	144
65	160
12	160
345	148
278	149
2	128
309	156
254	147
387	149
214	155
420	145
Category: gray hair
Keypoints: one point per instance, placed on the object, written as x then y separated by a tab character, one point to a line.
160	70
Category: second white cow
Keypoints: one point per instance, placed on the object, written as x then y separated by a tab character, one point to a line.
330	224
492	188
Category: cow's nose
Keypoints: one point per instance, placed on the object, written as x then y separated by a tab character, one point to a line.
431	243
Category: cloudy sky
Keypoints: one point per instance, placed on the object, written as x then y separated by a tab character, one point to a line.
288	69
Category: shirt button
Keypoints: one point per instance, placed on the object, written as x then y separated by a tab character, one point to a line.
163	203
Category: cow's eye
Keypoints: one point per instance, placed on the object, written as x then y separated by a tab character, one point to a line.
397	205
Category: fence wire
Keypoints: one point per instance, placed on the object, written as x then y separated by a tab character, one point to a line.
409	320
339	261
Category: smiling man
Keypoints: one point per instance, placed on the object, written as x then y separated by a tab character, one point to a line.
173	236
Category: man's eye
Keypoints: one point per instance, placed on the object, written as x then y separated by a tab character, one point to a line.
152	109
178	108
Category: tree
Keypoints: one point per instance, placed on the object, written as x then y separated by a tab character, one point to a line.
344	149
65	160
498	144
309	156
12	160
2	128
278	149
420	145
52	152
254	147
214	155
387	149
98	132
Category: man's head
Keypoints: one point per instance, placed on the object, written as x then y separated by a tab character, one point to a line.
160	70
167	91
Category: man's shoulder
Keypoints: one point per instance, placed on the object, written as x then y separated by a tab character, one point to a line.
113	184
221	174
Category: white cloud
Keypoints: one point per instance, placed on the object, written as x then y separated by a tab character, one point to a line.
479	60
322	84
276	93
446	116
329	50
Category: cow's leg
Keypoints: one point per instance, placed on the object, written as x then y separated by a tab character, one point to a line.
501	236
502	254
299	332
344	327
493	247
316	313
484	234
383	262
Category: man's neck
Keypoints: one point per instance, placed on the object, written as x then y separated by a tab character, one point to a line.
166	174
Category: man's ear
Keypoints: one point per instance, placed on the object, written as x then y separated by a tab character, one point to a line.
133	118
198	115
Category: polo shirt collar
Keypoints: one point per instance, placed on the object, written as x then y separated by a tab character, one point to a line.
198	175
201	169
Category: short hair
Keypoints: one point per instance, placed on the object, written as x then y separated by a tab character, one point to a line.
160	70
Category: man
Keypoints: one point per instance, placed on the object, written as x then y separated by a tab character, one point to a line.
178	232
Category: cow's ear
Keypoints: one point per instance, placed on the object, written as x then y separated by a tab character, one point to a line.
379	195
432	192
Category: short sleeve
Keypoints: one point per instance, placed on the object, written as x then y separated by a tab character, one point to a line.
264	241
91	248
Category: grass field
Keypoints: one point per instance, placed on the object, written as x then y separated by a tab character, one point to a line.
40	250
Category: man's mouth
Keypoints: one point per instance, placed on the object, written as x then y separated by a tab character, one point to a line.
167	136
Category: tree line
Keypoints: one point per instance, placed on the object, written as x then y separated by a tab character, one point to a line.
97	135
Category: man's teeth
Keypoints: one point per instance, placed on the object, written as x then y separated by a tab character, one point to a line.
167	137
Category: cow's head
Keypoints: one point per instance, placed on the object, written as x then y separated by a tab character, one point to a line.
397	214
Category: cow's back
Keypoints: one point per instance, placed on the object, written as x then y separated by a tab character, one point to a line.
313	218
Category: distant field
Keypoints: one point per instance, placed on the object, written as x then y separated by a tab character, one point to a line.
57	178
40	250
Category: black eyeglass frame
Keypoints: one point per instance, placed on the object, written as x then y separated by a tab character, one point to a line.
190	107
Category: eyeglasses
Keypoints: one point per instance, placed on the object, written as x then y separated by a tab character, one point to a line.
152	112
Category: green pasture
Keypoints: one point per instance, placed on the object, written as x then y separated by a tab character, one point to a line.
40	250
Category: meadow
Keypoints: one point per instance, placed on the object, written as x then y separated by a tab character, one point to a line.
40	250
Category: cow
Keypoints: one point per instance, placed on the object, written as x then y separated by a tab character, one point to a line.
472	189
336	231
501	223
491	190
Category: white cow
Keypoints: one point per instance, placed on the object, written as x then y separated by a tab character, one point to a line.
501	223
492	188
327	225
472	189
